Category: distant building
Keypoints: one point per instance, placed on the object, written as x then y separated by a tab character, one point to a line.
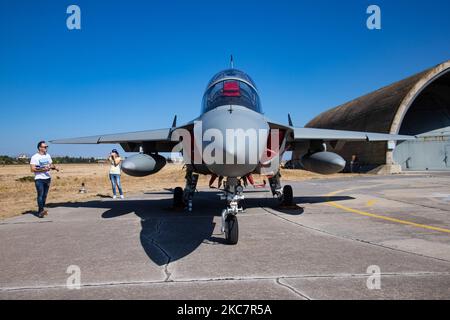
175	158
418	105
23	157
100	160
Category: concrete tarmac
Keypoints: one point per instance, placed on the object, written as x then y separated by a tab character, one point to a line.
330	246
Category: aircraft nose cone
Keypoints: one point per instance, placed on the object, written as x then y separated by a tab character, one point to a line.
244	139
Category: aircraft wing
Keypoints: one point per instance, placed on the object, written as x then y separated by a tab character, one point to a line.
331	135
155	140
138	136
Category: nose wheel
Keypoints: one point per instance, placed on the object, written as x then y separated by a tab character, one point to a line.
231	229
233	193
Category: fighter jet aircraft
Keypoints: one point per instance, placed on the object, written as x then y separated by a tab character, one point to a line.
232	139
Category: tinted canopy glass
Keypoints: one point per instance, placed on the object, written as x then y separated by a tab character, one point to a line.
231	87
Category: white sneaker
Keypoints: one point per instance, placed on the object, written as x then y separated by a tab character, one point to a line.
114	197
121	196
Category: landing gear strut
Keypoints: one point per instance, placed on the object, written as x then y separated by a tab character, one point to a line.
233	193
284	195
183	198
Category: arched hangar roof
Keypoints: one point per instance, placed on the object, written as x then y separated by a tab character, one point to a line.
385	109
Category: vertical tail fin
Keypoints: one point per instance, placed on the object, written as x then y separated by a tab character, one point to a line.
290	120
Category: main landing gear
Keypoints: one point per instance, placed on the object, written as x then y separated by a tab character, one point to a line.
284	195
183	198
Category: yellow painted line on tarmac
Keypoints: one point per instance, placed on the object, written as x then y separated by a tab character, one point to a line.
371	202
377	216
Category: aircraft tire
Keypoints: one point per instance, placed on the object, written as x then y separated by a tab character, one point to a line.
178	197
288	195
232	230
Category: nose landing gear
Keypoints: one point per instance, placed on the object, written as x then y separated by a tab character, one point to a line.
233	193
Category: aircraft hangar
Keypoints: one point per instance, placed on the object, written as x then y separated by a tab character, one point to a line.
418	105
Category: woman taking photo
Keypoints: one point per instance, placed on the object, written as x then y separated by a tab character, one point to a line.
114	172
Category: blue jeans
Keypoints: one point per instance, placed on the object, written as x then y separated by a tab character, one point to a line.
42	186
115	181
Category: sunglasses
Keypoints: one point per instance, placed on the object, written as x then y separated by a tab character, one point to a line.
46	147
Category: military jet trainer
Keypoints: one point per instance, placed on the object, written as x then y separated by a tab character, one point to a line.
232	139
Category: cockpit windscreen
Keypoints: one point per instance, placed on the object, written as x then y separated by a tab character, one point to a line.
231	87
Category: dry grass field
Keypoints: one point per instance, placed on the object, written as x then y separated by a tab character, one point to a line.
18	193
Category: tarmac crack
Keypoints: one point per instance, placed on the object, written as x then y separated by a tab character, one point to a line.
24	222
153	242
285	285
262	278
351	238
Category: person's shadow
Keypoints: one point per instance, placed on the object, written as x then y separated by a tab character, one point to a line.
168	235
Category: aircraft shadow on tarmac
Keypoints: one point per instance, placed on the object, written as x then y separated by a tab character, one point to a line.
168	235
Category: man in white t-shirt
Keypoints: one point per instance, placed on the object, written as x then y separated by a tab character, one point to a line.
41	164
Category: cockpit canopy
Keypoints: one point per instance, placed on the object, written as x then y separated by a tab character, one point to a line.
231	87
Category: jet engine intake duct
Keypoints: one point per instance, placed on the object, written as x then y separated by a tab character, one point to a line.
323	162
141	165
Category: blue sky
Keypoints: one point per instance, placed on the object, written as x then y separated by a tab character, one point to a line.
134	64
